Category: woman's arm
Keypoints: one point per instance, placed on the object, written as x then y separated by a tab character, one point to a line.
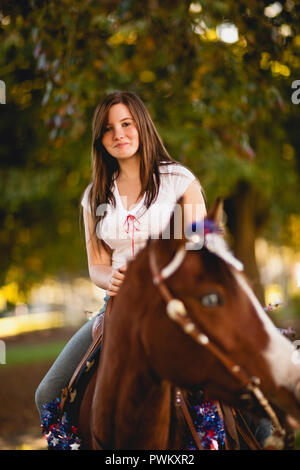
194	204
101	272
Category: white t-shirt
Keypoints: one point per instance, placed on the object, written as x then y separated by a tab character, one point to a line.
126	232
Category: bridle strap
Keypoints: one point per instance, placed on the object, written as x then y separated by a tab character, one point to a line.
246	433
171	268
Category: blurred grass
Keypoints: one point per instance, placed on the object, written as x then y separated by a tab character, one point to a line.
16	355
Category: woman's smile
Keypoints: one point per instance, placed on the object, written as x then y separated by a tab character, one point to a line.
121	145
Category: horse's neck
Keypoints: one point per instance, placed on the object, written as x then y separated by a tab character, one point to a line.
133	409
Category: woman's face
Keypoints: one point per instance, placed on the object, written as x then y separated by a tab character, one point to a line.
120	137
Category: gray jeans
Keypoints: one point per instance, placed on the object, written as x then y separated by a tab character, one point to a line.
63	368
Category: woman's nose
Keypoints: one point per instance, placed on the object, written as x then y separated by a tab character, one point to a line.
118	133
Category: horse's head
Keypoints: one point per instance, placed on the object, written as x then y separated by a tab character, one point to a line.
208	330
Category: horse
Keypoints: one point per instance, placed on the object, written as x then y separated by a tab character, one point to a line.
185	319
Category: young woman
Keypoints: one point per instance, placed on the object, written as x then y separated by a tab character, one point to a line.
134	189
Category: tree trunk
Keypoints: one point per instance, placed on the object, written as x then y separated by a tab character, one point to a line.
241	213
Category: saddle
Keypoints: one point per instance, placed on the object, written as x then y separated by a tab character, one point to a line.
86	367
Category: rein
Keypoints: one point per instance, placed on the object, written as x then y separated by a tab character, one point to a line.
176	310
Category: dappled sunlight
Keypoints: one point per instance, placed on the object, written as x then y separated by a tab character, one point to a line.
15	325
280	276
51	304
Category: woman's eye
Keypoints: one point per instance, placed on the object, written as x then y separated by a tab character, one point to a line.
212	299
126	124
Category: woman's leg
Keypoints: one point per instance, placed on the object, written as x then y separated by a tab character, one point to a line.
63	368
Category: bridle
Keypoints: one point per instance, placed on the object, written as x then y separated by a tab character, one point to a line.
177	312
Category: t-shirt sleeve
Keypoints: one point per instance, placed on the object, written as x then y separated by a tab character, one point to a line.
85	199
181	177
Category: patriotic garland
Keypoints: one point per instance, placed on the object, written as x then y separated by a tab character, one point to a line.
58	429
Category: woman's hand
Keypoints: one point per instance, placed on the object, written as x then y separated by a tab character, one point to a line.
116	281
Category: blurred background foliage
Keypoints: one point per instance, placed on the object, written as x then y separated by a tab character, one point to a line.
217	79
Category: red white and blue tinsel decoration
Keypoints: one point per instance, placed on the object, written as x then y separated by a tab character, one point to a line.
57	428
208	424
203	228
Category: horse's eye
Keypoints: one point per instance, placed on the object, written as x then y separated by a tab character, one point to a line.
211	300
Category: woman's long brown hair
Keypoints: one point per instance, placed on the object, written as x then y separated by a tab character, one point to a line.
105	167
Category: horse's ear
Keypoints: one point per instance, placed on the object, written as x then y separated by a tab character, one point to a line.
216	212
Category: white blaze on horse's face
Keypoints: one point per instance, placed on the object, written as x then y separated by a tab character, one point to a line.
279	351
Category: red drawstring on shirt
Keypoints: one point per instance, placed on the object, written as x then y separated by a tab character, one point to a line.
132	219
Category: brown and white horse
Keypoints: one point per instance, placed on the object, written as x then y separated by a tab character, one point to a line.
183	318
